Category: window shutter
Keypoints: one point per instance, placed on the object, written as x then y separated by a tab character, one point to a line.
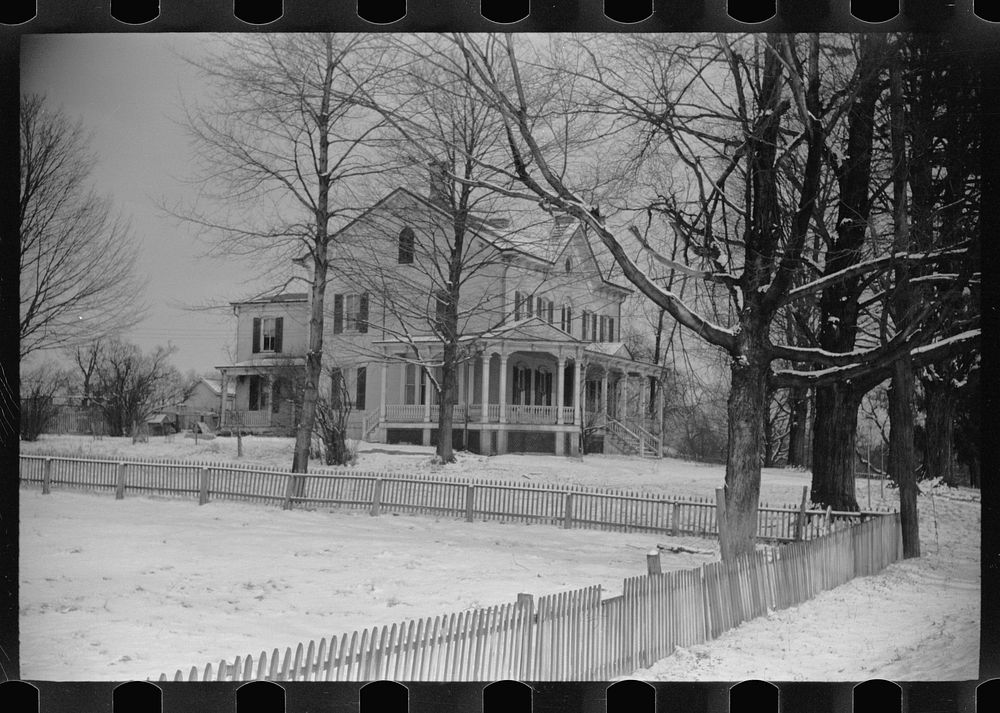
552	312
611	329
529	303
360	387
583	326
276	394
363	313
278	322
517	306
256	335
338	314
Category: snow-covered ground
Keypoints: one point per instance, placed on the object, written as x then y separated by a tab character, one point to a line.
120	589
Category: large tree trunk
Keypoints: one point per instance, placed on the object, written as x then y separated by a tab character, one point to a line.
446	404
902	461
798	426
747	411
314	369
939	427
834	457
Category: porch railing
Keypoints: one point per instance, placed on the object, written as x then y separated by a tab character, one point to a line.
249	419
529	415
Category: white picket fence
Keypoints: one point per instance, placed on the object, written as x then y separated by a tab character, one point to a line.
576	635
468	498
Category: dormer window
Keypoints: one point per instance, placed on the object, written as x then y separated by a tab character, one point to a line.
568	264
407	241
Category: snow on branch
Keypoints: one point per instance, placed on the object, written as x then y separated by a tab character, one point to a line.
867	266
921	355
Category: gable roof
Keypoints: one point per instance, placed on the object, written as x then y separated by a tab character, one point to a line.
530	329
542	239
216	386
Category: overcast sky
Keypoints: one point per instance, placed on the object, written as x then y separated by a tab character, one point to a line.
127	90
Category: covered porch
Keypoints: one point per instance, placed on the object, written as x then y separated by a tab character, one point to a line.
537	388
264	399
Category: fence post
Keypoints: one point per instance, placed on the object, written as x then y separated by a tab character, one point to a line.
470	500
203	486
526	602
653	563
829	519
568	511
120	483
287	502
675	511
377	497
800	524
47	477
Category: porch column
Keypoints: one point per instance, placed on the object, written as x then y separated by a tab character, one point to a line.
225	386
560	388
577	387
604	391
484	389
659	413
427	396
382	395
470	386
643	400
623	397
503	387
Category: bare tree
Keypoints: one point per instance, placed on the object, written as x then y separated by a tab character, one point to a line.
735	146
77	259
129	386
39	386
333	411
283	148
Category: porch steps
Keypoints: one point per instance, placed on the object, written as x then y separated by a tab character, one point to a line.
631	440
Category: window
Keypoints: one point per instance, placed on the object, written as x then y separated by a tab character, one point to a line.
529	303
611	329
568	265
603	324
584	324
543	387
406	243
441	298
517	306
259	393
566	321
552	312
593	327
350	313
410	385
360	387
267	334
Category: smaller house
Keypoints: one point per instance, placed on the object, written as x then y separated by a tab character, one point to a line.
203	404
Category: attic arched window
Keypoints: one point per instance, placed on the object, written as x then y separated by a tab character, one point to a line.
569	264
406	243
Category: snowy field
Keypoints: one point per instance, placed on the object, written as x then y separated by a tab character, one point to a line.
112	590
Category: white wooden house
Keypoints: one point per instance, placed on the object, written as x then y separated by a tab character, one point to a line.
540	315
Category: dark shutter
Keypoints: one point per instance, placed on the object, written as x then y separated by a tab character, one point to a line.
256	335
360	387
277	333
517	306
336	387
611	329
254	389
583	326
338	314
552	312
363	313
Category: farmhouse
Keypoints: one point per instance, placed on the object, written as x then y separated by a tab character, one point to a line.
542	363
